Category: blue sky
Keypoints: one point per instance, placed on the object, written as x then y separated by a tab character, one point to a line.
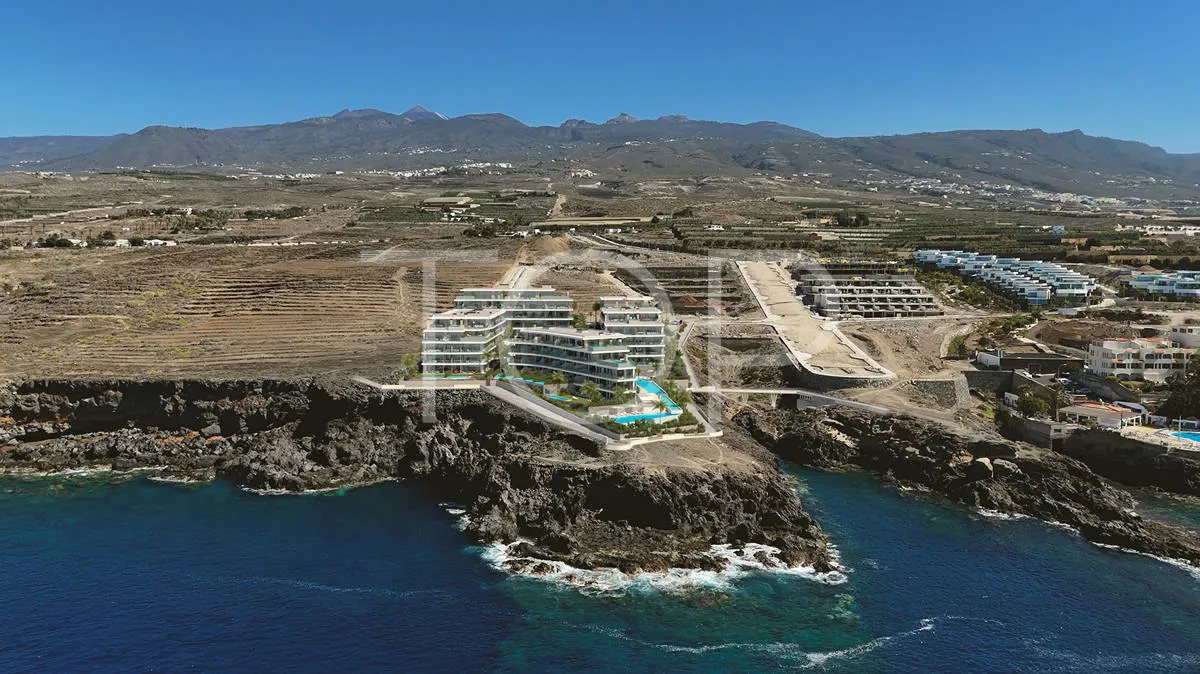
1121	68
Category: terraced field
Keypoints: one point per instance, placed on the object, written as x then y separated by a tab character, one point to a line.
218	311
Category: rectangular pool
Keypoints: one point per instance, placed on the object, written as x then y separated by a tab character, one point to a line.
1194	436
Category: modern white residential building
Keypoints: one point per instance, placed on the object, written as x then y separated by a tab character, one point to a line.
876	296
641	324
1184	284
462	340
579	354
1186	335
1152	359
1030	280
532	329
523	307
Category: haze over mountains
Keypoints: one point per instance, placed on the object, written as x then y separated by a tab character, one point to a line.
667	146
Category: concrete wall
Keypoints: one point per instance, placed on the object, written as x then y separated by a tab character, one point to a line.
823	382
948	393
1040	432
534	400
1109	391
989	382
1136	463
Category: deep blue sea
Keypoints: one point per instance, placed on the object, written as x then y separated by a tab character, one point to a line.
143	575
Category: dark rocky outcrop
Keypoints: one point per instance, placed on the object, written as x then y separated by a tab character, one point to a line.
1137	464
520	479
974	471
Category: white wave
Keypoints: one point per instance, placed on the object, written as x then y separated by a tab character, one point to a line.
177	480
1192	570
738	564
997	515
319	587
789	650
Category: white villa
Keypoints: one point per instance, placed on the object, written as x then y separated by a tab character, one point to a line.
1030	280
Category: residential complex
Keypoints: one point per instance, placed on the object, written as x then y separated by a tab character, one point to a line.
580	355
874	296
531	329
1183	284
641	324
1034	282
1152	359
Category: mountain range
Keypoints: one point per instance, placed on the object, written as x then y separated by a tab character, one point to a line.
669	146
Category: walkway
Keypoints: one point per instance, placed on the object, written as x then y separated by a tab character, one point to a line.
815	345
800	392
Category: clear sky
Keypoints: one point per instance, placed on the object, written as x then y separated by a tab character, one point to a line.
1121	68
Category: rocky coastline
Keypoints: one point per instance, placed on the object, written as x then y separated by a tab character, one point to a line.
547	494
980	472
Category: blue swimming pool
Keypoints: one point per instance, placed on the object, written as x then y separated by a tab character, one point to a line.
1194	436
630	418
562	398
651	386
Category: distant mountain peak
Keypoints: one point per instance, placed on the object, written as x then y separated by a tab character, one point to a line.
420	112
354	114
623	118
673	118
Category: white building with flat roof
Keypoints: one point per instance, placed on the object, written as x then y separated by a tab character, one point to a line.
462	340
640	321
1151	359
1032	281
1183	284
532	329
581	355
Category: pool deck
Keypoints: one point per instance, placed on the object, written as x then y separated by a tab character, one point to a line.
1161	436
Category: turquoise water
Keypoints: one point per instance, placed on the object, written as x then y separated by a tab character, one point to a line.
630	418
143	575
652	387
1194	436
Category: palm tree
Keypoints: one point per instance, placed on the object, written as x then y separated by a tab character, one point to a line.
661	406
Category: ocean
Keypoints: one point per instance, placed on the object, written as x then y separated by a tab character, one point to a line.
126	574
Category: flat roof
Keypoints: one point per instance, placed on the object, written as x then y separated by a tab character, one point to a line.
584	333
1099	409
469	313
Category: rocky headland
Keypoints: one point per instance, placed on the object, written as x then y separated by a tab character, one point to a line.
547	494
980	472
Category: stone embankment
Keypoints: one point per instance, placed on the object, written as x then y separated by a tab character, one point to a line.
974	471
562	495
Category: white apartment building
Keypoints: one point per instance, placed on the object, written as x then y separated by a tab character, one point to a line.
1186	335
1151	359
1183	284
579	354
1034	282
462	340
641	323
872	296
524	307
532	328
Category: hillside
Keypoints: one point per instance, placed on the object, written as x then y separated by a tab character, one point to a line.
667	146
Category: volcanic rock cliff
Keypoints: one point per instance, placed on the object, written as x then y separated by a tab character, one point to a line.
974	471
562	496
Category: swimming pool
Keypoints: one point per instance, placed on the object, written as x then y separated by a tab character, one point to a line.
630	418
1194	436
652	387
562	398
